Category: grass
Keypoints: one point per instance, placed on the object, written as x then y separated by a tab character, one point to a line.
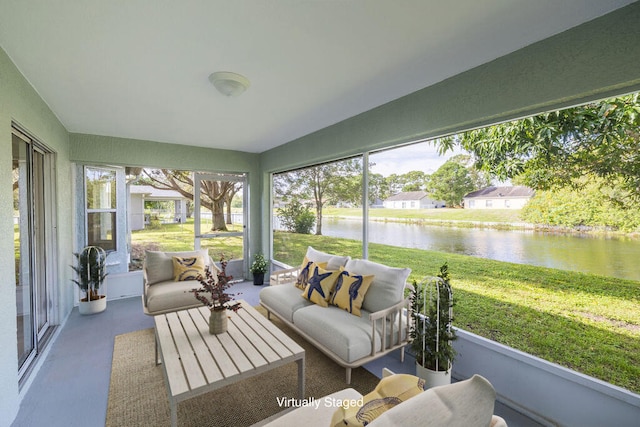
179	237
581	321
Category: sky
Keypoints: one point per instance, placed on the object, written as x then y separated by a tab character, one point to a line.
422	156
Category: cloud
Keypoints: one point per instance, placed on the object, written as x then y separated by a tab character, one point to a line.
422	157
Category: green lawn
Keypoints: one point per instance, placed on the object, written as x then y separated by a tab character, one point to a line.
179	237
584	322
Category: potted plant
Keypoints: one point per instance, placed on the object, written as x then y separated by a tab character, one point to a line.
218	299
431	331
90	275
258	269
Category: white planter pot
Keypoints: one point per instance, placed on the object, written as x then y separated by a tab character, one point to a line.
433	378
93	307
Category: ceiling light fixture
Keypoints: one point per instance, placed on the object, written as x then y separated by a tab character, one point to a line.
229	84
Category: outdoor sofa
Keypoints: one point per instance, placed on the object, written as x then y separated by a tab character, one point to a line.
349	338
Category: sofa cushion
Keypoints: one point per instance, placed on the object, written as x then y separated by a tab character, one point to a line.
465	403
350	291
320	285
187	267
158	266
284	300
390	391
387	287
334	262
348	336
170	295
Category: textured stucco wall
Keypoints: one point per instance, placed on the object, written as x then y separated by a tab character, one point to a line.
20	103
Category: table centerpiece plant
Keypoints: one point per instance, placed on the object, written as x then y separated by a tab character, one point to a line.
213	294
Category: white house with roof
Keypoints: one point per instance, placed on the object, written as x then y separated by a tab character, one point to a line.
139	194
509	197
412	200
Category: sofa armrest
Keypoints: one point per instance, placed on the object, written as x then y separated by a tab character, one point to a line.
145	284
285	276
393	326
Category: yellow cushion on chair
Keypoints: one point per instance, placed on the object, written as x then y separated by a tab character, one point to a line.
187	268
389	392
320	285
350	291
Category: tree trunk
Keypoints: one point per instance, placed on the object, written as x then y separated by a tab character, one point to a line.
229	221
319	220
218	216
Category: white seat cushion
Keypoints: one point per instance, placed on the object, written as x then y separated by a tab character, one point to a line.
284	300
344	334
169	296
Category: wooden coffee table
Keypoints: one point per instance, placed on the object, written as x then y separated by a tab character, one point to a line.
196	362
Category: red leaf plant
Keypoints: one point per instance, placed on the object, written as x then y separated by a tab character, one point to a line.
213	291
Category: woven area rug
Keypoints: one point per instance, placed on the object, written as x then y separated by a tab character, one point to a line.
138	397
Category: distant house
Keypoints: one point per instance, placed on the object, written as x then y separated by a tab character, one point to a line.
138	194
412	200
513	197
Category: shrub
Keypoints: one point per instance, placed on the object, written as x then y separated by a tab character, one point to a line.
297	218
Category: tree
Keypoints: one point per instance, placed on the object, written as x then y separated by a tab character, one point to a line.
320	183
296	217
233	190
213	192
378	188
410	181
598	204
395	183
558	148
414	181
450	183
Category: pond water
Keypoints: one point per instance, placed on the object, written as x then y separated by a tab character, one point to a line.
607	256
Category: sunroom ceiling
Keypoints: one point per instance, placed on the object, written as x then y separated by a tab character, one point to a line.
139	68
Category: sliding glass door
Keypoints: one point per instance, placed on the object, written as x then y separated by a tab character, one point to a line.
33	236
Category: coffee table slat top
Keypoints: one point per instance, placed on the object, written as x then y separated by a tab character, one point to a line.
206	360
222	359
276	348
196	361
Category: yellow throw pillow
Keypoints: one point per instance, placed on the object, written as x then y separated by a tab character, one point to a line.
187	268
320	285
389	392
350	291
303	276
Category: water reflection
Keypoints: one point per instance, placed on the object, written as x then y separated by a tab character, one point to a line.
607	256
